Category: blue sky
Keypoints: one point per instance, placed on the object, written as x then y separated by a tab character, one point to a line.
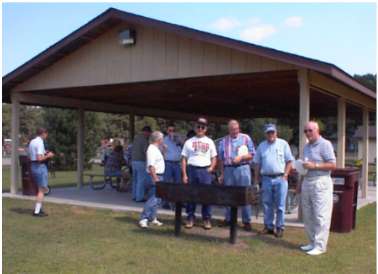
342	33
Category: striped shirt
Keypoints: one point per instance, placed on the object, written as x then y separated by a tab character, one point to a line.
321	151
228	147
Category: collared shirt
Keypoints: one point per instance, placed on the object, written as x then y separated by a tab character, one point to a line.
36	147
174	147
321	151
228	147
155	159
139	148
199	151
272	157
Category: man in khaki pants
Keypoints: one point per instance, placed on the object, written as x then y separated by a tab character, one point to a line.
317	189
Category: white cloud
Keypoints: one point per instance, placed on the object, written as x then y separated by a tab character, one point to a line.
225	24
293	22
257	32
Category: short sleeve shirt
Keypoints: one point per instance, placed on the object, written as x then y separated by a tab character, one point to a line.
174	147
36	147
139	148
199	151
321	151
272	157
228	147
155	158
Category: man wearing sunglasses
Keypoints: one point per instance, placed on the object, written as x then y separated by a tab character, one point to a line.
197	164
235	154
273	162
317	189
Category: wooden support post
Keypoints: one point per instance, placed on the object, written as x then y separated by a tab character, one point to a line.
341	132
80	148
233	225
178	213
15	130
365	152
131	126
304	106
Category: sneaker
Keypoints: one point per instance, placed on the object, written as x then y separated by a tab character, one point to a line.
279	233
206	224
189	223
266	231
307	247
247	227
143	223
315	251
156	222
40	214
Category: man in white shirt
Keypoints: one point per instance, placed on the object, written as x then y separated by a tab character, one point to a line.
198	162
155	168
38	157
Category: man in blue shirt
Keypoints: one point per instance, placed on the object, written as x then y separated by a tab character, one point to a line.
172	155
235	153
273	162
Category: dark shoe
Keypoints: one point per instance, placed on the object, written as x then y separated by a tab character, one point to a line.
207	224
189	223
279	233
224	223
266	231
40	214
247	227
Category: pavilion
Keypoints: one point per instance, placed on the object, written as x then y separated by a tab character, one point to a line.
125	63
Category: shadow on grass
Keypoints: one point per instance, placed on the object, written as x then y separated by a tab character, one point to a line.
196	234
23	211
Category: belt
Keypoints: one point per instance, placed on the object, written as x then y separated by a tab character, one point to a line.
37	162
160	174
174	162
245	164
273	175
199	166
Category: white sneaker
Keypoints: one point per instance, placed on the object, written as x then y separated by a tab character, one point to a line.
156	222
143	223
307	247
315	252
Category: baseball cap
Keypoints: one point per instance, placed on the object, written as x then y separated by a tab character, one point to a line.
147	128
270	127
202	121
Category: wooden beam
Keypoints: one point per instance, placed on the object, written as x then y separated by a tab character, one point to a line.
365	152
53	101
321	81
341	132
304	106
80	147
15	130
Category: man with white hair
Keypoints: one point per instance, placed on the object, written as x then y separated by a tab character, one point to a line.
235	151
155	168
317	189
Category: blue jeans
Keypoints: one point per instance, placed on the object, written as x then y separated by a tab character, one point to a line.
172	172
152	203
238	176
40	174
198	175
140	177
274	192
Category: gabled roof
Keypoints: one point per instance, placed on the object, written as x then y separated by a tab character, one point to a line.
112	17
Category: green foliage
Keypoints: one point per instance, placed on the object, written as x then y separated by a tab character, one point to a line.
369	80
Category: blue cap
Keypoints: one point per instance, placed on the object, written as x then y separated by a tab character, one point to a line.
270	127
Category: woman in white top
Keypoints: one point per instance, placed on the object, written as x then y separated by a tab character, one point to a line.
155	168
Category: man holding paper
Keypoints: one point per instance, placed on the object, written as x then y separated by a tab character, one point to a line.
235	154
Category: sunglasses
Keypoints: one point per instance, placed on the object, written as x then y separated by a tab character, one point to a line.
171	130
307	130
201	127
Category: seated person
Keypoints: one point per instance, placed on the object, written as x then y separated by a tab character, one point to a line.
114	160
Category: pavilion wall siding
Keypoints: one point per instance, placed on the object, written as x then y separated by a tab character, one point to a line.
157	55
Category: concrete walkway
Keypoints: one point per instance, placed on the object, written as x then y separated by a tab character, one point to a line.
109	198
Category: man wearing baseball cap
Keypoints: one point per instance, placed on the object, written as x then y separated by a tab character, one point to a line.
197	164
273	162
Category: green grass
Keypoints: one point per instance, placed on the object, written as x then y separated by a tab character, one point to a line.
61	179
81	240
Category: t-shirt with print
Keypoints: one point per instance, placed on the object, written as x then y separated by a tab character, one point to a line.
199	151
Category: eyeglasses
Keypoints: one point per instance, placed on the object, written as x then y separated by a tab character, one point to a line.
201	127
307	130
170	130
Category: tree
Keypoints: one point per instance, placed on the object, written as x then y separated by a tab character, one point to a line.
369	80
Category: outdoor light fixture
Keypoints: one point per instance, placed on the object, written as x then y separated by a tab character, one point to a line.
127	37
